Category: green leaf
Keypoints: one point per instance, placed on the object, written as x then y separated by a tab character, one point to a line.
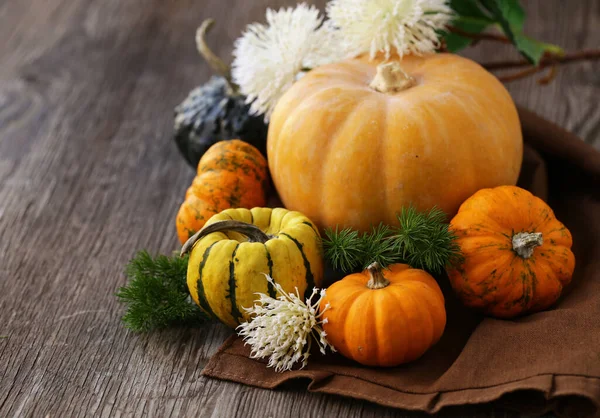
469	8
530	48
511	17
506	12
470	18
474	16
456	42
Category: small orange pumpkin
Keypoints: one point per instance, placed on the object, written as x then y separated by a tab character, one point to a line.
231	174
384	317
517	255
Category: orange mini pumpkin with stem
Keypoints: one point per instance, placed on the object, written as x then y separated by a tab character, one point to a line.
231	174
517	255
384	317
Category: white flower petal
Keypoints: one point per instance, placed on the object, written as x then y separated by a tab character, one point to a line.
409	26
283	330
269	58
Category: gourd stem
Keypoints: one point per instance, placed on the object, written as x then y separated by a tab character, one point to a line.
254	233
377	280
525	242
216	63
391	78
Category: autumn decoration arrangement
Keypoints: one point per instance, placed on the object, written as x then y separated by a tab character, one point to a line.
395	161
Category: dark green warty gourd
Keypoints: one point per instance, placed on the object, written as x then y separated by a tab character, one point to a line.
212	113
215	111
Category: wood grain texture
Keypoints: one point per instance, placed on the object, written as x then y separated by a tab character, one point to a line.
89	174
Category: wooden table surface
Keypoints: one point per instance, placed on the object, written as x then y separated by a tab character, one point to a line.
89	174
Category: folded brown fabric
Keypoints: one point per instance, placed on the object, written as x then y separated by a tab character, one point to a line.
545	361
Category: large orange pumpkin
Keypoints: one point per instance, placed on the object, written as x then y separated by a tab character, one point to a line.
384	317
351	143
517	255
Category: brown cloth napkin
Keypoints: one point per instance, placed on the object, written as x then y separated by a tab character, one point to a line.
542	362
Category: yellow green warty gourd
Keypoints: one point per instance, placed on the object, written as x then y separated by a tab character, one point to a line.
237	247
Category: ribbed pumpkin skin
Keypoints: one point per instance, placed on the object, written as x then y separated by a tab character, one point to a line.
389	326
494	278
230	174
225	271
345	154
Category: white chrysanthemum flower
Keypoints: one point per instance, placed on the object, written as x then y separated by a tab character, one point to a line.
409	26
269	58
282	329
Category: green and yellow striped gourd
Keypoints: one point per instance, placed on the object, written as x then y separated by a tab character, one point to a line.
237	247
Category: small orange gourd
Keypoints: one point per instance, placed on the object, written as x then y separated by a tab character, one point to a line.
353	142
517	255
384	317
231	174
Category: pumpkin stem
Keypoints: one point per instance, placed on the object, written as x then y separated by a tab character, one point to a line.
216	63
525	242
254	233
391	78
377	280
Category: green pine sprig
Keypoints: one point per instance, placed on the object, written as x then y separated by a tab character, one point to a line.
421	239
156	295
342	248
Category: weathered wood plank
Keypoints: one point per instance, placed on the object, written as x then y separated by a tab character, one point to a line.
572	99
88	175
